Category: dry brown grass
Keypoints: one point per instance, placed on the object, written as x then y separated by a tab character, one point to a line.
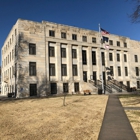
48	119
133	115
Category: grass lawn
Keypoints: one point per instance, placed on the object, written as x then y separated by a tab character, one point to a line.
133	115
48	119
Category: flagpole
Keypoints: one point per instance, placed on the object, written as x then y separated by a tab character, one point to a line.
101	60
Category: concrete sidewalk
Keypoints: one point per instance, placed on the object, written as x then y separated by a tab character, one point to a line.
116	125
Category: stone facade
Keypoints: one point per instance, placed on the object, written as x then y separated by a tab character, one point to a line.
48	77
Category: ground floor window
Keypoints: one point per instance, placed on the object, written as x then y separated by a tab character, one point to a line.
65	87
138	84
33	89
76	87
53	88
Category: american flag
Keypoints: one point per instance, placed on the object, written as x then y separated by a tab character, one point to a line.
104	32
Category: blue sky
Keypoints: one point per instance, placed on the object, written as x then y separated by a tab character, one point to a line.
111	14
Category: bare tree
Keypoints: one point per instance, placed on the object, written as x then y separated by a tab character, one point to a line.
135	16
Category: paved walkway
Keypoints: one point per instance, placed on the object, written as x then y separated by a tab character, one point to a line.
116	125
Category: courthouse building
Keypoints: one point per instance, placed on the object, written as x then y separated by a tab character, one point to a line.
40	58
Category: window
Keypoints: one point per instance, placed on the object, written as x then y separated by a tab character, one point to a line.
52	69
84	57
52	33
74	37
64	69
65	87
93	58
53	88
118	43
110	42
126	71
119	71
76	87
10	56
94	76
128	83
63	52
137	71
111	70
103	58
63	35
118	57
110	56
15	32
32	48
74	53
33	89
51	52
125	44
32	68
93	40
85	76
138	84
136	58
74	70
125	58
84	38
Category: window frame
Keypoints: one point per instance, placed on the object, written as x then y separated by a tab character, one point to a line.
52	69
63	35
63	53
65	87
110	56
74	53
32	69
93	57
64	69
74	70
32	49
93	39
52	33
51	51
74	36
84	38
118	57
84	57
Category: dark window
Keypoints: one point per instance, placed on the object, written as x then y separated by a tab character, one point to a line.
63	52
125	58
85	76
53	88
121	82
111	70
94	76
125	44
51	33
33	89
76	87
126	71
110	42
51	51
118	43
128	83
63	35
103	58
84	38
65	87
119	71
52	69
32	68
110	56
64	69
32	48
93	58
138	84
74	37
15	32
93	40
118	57
74	70
74	53
136	58
84	57
137	71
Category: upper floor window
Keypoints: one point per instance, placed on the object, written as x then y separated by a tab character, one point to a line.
110	56
64	69
63	35
51	33
111	70
125	58
84	57
84	38
15	32
93	40
125	44
118	43
51	51
103	58
136	58
137	71
126	71
118	57
119	71
74	37
32	49
110	42
32	68
63	52
74	70
93	58
52	69
74	53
